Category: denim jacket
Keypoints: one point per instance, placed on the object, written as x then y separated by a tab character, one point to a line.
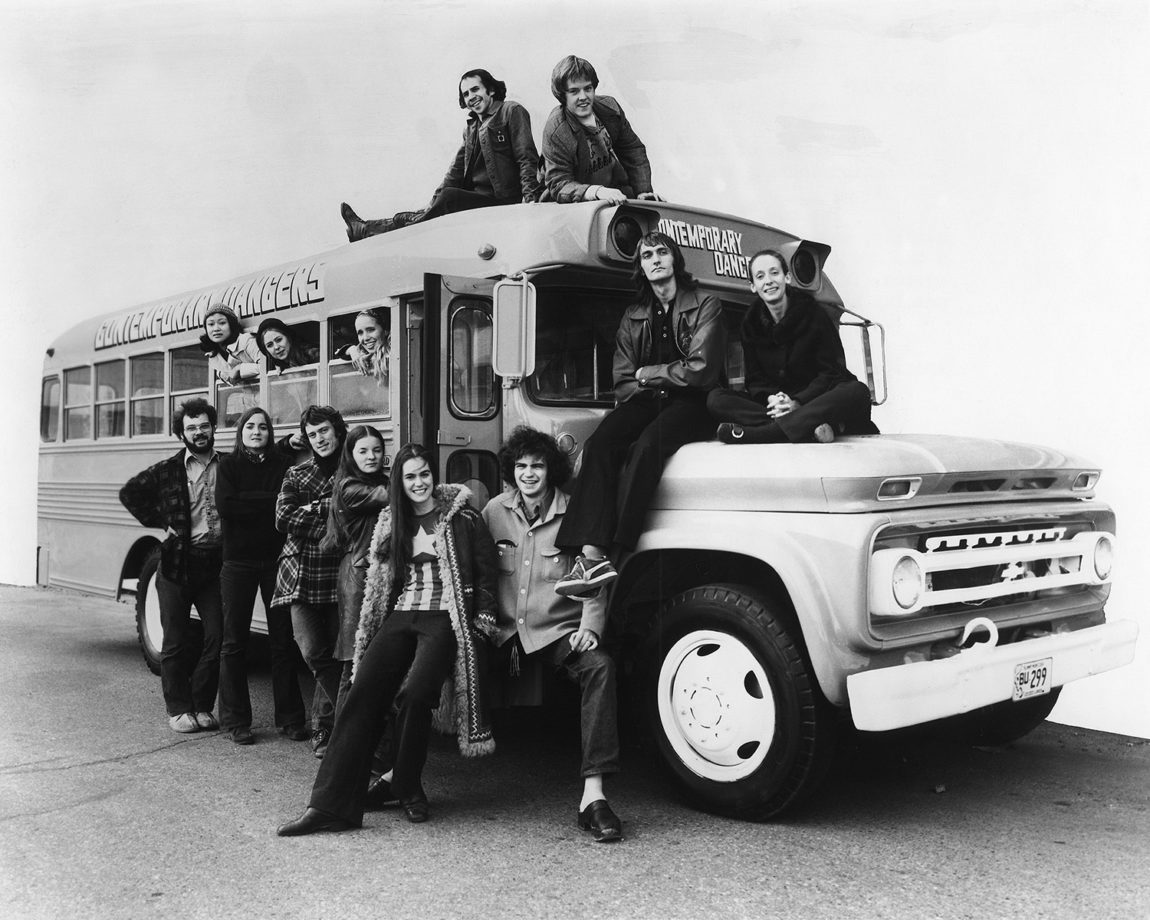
508	150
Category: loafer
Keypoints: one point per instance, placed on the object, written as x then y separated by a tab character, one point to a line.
380	794
207	722
297	732
243	735
185	723
602	821
319	739
314	821
416	810
729	433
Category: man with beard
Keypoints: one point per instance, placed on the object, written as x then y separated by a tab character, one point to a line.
179	495
307	578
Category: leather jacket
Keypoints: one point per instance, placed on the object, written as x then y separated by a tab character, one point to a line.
508	152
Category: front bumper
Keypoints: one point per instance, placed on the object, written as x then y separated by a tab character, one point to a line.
911	694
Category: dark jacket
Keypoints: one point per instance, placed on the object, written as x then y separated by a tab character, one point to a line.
508	151
700	338
470	571
801	356
246	493
158	497
567	153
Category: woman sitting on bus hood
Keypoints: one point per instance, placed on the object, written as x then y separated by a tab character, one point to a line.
232	353
798	385
278	344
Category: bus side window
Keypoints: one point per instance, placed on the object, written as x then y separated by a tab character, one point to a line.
49	408
575	346
292	389
189	376
110	408
77	403
354	394
147	393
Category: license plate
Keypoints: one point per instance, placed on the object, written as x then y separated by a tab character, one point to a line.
1032	678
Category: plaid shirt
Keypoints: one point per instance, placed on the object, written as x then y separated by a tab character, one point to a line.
305	574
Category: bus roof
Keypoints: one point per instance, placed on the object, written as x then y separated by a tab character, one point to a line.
487	243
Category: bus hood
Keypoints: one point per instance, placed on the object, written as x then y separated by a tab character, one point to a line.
871	473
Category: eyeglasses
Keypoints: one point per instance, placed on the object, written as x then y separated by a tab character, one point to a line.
196	429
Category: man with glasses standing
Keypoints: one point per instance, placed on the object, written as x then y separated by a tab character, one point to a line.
179	495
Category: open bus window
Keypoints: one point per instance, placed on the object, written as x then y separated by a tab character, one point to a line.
472	384
77	403
233	400
575	346
189	375
293	389
49	408
354	393
147	393
111	411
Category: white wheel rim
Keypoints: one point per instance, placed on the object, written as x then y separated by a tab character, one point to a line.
153	626
716	706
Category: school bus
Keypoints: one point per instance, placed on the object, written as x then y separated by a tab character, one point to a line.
778	593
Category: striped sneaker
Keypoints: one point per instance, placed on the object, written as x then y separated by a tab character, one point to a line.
585	575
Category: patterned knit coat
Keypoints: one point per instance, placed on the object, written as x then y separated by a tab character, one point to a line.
469	566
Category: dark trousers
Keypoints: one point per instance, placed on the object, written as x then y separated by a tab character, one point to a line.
316	627
594	672
607	507
189	668
451	200
845	406
239	582
418	646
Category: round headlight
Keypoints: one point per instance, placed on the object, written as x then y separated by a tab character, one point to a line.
906	582
626	234
1103	558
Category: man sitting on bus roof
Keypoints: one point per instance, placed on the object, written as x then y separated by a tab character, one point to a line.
670	352
589	148
496	164
179	495
308	578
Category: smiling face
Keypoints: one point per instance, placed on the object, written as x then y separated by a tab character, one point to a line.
769	280
368	454
256	433
369	333
322	438
477	97
418	482
277	344
217	328
579	98
531	477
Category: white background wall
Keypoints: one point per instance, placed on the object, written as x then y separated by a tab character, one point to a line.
978	167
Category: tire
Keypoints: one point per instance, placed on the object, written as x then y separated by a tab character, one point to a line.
1002	723
149	629
734	707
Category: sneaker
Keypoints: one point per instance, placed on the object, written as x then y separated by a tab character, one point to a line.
319	740
207	722
824	433
297	732
729	433
185	723
585	575
241	734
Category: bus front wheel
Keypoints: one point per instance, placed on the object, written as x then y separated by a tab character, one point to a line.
735	710
149	629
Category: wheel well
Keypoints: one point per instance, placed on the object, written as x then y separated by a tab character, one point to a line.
134	562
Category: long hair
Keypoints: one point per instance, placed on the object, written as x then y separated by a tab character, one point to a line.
402	514
240	447
297	353
497	88
525	441
338	536
684	280
568	69
380	360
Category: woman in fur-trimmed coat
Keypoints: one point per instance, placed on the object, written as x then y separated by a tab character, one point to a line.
430	594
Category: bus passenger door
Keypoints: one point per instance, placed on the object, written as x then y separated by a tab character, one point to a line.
461	393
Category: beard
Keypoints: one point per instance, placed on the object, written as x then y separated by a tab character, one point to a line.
204	445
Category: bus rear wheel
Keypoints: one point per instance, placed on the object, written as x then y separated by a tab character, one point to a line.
149	628
733	704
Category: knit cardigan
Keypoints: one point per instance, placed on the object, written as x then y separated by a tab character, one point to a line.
470	571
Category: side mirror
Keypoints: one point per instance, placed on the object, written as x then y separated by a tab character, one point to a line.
513	319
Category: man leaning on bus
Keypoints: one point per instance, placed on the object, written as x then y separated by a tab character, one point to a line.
179	495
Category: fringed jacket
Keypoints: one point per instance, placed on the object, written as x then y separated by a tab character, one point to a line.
470	571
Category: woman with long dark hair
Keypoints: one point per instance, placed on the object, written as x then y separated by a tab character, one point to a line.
247	484
280	345
430	592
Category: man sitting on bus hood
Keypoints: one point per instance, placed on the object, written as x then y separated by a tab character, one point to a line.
179	495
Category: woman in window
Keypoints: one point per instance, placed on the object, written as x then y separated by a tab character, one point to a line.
373	349
430	593
232	353
278	343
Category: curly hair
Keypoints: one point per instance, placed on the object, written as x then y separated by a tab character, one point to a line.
525	441
192	408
